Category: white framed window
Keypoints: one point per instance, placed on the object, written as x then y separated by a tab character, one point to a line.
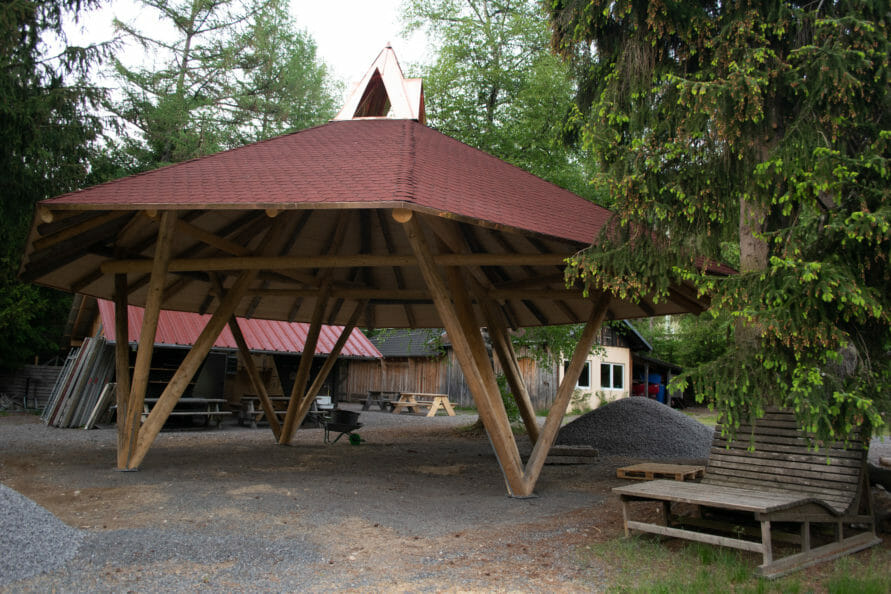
584	381
612	376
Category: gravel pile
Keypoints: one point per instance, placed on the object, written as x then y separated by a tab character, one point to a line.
639	428
32	540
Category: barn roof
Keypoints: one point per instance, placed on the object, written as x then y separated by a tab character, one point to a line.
177	328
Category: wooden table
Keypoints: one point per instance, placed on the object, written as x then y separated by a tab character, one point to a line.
383	398
418	400
251	411
209	408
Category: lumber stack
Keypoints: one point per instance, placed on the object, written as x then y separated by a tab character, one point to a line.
81	383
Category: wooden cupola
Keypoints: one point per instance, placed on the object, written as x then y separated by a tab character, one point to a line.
385	93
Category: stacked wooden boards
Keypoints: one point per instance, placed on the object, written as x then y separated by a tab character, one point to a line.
80	384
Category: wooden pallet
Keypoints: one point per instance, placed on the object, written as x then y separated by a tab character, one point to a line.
650	470
567	454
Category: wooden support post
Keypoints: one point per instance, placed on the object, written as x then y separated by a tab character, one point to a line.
564	392
295	403
458	322
254	376
625	516
139	381
766	542
320	378
508	358
187	369
122	365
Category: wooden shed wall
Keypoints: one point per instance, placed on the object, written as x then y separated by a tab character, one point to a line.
35	381
440	375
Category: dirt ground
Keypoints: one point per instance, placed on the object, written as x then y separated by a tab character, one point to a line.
419	506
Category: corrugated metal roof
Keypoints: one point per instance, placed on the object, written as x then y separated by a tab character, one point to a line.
408	343
182	329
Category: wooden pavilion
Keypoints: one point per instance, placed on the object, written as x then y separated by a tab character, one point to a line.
373	219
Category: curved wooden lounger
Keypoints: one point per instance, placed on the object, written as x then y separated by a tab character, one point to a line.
783	479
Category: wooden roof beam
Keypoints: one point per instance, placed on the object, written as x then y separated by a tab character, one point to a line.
397	271
72	231
143	266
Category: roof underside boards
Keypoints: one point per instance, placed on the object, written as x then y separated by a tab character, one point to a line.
182	329
330	192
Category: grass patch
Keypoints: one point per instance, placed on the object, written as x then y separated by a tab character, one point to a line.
642	564
703	415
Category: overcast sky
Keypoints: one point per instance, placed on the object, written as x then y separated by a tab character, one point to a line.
349	33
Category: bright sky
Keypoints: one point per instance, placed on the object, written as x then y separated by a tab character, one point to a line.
349	33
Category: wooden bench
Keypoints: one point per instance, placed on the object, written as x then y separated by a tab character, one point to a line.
209	409
417	400
783	482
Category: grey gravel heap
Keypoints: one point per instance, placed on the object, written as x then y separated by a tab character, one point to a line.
639	428
32	540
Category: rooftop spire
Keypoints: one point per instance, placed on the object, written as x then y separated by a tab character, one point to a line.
385	93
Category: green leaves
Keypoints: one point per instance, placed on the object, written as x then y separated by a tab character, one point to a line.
493	84
230	73
48	137
778	110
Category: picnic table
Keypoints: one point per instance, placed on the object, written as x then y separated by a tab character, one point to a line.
208	408
251	412
383	398
414	401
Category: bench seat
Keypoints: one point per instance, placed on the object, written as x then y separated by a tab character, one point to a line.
772	473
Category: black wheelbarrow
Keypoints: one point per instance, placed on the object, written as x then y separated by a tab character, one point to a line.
343	422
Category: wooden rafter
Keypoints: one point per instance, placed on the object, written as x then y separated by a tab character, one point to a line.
397	271
293	236
74	231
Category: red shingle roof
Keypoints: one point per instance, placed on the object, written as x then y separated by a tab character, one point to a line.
182	329
359	163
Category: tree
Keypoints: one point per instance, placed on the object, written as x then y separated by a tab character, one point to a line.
285	87
226	73
494	85
763	124
48	135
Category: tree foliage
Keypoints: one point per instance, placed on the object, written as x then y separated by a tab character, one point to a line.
764	124
494	84
226	72
48	133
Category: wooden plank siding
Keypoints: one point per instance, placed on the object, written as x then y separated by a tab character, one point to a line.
437	375
32	381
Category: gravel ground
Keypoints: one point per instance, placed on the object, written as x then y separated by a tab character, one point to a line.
639	427
419	506
32	539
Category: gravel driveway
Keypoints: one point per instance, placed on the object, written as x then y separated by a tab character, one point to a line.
418	506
